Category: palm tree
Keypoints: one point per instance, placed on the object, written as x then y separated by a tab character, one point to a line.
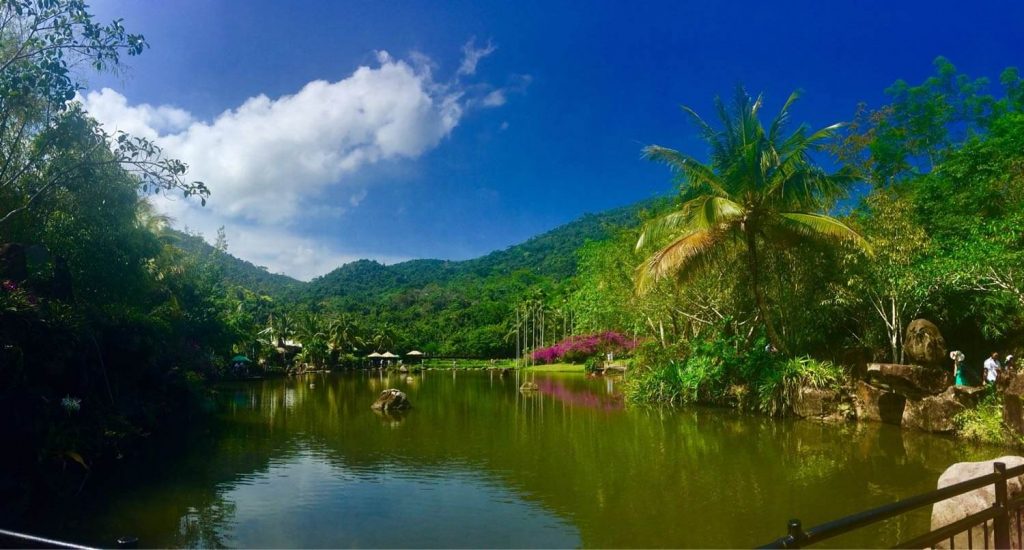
383	336
279	329
309	328
759	185
342	335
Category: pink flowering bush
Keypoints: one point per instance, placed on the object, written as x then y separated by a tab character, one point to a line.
575	349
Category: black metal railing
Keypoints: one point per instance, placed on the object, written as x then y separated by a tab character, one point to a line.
998	515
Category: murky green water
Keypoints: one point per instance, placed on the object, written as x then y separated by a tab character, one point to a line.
306	463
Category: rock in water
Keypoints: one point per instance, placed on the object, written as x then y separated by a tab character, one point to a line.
391	400
957	508
529	386
924	344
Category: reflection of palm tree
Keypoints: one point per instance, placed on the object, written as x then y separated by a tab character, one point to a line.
759	186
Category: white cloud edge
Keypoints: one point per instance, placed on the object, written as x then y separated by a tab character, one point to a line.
395	110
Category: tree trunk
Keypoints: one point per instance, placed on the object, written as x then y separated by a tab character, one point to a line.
759	299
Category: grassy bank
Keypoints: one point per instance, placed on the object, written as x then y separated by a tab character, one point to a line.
556	367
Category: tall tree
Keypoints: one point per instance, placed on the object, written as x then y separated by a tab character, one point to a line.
760	186
40	44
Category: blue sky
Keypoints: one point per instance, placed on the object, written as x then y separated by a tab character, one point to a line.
320	148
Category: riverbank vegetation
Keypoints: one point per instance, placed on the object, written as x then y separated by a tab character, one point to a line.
107	328
934	205
786	258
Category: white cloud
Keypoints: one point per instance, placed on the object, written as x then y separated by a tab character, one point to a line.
495	99
268	161
471	56
357	197
265	157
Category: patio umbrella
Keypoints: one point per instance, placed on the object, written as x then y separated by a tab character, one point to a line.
240	359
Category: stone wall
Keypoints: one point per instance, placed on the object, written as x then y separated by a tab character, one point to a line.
903	395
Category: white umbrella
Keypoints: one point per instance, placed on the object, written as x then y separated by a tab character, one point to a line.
375	354
388	355
414	352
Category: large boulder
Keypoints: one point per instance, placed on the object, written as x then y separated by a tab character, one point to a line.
924	344
391	400
959	507
910	380
822	404
934	413
878	404
1013	411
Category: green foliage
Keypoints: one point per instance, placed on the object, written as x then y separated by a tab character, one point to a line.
778	387
984	422
890	288
760	188
705	372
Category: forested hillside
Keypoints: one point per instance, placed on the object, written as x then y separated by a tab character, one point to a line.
235	270
552	255
443	307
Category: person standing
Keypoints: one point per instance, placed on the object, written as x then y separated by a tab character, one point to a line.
959	373
992	367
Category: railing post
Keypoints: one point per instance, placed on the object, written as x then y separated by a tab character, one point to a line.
1001	523
795	534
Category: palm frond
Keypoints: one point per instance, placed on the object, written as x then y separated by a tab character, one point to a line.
783	117
698	214
706	130
693	171
820	226
681	257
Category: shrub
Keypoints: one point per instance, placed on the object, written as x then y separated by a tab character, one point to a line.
984	422
658	384
703	379
778	387
578	348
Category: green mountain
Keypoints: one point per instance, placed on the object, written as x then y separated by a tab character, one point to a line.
236	270
441	307
550	255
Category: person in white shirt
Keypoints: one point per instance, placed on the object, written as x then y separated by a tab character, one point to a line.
992	367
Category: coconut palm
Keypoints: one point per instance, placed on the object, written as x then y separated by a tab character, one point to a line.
342	335
760	186
279	328
383	336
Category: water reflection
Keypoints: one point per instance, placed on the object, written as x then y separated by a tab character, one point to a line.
304	462
582	394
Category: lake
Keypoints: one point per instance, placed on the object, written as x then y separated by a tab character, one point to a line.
304	462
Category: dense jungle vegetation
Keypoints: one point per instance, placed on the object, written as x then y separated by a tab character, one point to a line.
823	244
